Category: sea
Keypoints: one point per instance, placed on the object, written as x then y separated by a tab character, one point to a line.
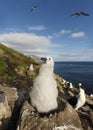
76	72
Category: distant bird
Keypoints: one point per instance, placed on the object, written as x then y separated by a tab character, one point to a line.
91	95
78	100
80	13
71	86
33	8
44	92
31	68
63	81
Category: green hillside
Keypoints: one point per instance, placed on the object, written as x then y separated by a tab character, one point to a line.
13	63
13	56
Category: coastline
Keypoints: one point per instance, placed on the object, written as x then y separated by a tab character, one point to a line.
76	72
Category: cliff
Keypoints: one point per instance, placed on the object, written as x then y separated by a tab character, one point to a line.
16	112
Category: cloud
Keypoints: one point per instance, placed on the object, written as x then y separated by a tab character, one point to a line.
62	32
50	37
37	28
38	51
13	29
77	56
25	39
73	54
78	35
66	32
28	43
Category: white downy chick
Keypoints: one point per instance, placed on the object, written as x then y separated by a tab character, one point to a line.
44	92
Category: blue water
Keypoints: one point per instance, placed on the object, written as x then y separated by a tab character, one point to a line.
76	72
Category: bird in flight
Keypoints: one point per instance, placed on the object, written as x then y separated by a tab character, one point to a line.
80	13
33	8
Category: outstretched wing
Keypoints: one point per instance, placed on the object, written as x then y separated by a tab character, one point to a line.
80	13
85	14
76	14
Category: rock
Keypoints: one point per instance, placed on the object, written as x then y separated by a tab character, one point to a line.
20	70
30	73
8	97
17	107
31	120
86	117
5	112
89	101
11	94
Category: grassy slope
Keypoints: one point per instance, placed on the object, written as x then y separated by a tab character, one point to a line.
11	60
13	56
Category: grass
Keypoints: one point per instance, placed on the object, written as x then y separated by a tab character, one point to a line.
3	66
12	62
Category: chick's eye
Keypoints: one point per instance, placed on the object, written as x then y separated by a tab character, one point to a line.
49	58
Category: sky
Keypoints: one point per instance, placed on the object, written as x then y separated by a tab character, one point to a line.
50	29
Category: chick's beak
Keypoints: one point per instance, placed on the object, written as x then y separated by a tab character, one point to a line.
44	59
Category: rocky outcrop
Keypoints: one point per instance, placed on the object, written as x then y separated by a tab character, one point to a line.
11	94
5	112
32	120
18	114
86	117
8	96
16	82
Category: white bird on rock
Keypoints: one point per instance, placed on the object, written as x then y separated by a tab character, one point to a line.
91	95
78	100
31	68
44	92
81	97
71	86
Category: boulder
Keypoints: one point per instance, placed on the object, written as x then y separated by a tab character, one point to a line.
11	94
5	112
86	116
66	116
8	97
89	101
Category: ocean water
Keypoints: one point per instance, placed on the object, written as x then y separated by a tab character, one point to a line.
76	72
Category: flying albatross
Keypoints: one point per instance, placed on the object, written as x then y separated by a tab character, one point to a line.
33	8
80	13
